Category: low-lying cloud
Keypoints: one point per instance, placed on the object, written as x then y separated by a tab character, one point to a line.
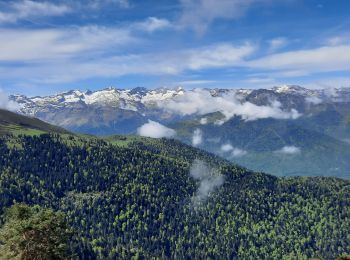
7	104
209	180
197	137
289	150
204	121
313	100
201	102
232	151
155	130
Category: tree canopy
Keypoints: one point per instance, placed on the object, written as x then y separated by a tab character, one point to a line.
33	233
136	201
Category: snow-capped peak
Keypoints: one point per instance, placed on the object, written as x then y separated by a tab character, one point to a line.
288	89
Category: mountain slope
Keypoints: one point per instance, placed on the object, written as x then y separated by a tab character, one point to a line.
280	147
320	128
11	122
139	197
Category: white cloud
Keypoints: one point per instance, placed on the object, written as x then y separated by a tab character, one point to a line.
338	39
7	104
219	55
277	43
322	59
152	24
201	102
203	121
329	84
209	180
155	130
226	148
313	100
122	3
197	137
196	82
234	151
199	14
62	60
289	150
99	3
27	9
238	152
220	121
261	80
49	44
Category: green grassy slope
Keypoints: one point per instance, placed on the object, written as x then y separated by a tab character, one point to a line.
16	124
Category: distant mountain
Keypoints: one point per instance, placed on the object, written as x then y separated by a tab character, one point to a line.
258	122
108	111
75	109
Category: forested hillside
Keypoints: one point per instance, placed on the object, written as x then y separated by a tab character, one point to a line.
261	143
160	198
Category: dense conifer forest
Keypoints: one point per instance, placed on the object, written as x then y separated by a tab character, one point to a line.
140	200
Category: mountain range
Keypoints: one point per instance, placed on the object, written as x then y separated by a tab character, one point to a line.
285	130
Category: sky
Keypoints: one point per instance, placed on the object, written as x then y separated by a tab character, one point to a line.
48	47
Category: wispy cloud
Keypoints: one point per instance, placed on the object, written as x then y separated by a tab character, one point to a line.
53	44
19	10
197	137
100	3
313	100
152	24
209	179
199	14
321	59
289	150
64	61
195	82
277	43
6	103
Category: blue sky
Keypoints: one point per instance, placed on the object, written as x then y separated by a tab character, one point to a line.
52	46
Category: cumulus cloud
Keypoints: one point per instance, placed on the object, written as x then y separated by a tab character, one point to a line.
155	130
201	102
232	151
197	137
7	104
238	152
226	147
19	10
289	150
209	180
